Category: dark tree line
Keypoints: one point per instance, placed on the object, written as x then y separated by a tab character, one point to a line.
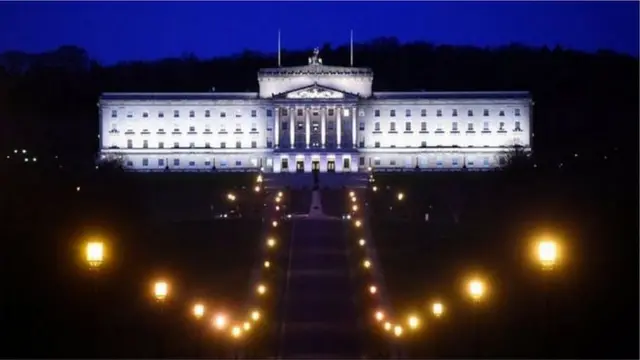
583	102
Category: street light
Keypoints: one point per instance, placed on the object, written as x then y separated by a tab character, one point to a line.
256	188
352	194
160	290
271	242
220	321
267	264
261	289
231	197
274	223
476	289
437	309
547	251
400	196
397	330
413	321
94	253
366	264
387	326
361	242
373	289
198	310
379	315
236	331
358	223
354	208
255	315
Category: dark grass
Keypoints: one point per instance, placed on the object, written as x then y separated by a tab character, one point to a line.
57	308
592	309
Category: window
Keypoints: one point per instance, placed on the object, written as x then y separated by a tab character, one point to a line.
160	162
423	112
129	143
485	112
454	126
376	126
192	113
238	163
392	126
392	162
223	114
423	144
254	127
485	161
469	112
331	125
361	126
207	163
269	144
423	126
207	113
254	144
361	161
376	162
470	127
376	113
192	129
345	112
454	161
438	113
254	113
145	144
176	113
130	114
114	113
129	163
407	113
331	112
161	131
517	112
300	112
454	112
501	113
361	144
176	162
192	145
176	145
407	126
223	145
269	113
238	144
361	113
238	113
485	126
238	128
207	129
161	145
300	125
392	113
192	163
501	126
160	114
223	128
285	125
145	114
517	127
377	144
207	145
285	112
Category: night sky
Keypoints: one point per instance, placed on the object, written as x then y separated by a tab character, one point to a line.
116	31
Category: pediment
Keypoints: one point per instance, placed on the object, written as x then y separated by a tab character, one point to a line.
316	92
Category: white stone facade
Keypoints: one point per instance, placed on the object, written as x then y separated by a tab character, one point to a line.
313	116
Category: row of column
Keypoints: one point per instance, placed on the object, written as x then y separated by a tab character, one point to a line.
323	126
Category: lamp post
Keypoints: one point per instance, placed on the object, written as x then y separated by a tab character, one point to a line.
547	254
476	289
160	294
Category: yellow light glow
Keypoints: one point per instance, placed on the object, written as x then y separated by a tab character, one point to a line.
413	321
361	242
236	331
261	289
400	196
271	242
255	315
259	179
437	309
256	188
476	289
375	188
274	223
160	290
354	208
547	253
277	199
267	264
358	223
231	197
246	326
95	253
397	330
198	310
366	264
279	194
277	207
387	326
352	194
379	315
373	289
353	199
220	321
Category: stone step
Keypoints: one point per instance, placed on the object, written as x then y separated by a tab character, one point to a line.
334	328
318	273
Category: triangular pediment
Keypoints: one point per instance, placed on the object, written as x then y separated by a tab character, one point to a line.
315	91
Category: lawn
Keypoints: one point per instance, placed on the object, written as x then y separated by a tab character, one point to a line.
481	223
58	308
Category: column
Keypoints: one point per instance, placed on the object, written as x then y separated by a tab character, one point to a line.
354	116
292	126
307	126
323	125
338	125
276	128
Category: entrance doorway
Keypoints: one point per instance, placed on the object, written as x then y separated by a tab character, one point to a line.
315	165
346	163
284	164
299	166
331	166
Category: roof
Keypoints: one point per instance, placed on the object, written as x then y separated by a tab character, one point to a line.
316	69
453	95
181	96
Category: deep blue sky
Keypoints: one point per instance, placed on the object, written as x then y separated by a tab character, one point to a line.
115	31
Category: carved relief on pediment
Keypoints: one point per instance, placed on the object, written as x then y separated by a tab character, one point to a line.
315	93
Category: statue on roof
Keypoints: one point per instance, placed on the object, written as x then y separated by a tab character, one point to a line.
315	59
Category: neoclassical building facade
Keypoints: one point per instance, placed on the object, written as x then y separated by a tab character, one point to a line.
313	117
